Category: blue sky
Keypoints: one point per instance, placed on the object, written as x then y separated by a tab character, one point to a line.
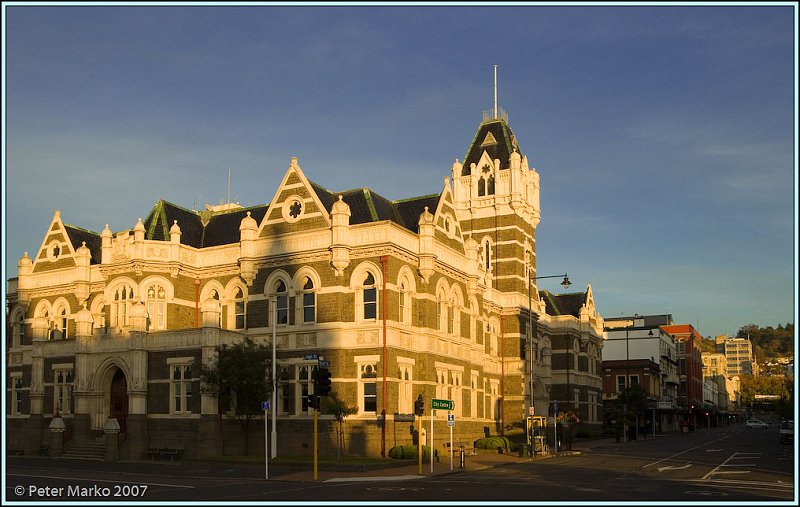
664	136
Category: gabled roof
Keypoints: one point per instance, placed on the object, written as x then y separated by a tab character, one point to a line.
199	229
563	304
368	206
94	243
496	138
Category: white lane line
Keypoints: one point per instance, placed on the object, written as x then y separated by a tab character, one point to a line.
57	477
683	452
734	456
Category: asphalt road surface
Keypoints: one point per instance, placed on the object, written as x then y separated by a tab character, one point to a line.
719	465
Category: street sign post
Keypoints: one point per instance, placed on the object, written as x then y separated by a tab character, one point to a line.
451	421
265	408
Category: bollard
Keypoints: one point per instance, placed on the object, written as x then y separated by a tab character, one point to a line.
461	450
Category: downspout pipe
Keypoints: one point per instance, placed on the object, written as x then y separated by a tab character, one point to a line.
384	259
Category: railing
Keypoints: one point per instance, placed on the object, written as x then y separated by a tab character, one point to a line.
488	114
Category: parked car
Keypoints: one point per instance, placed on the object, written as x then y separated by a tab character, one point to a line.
756	423
787	432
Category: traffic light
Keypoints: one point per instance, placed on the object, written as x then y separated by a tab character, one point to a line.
313	401
419	406
324	381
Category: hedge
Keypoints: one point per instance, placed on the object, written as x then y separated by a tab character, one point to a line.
410	451
493	443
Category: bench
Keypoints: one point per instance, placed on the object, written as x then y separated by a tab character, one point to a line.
163	450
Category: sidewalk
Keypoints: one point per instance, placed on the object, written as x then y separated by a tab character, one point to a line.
406	470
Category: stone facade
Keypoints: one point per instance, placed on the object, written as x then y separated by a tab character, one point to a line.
428	295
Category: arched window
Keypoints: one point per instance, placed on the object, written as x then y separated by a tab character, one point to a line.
59	330
120	308
215	296
238	309
441	313
369	374
490	185
157	308
282	308
404	314
370	297
451	315
309	301
19	330
481	187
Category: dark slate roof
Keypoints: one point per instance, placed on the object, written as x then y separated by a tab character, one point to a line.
223	229
563	304
94	242
199	229
502	150
164	214
368	206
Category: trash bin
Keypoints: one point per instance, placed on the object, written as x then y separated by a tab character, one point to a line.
462	455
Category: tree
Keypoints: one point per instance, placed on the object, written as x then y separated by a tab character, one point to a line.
568	418
240	374
340	410
633	399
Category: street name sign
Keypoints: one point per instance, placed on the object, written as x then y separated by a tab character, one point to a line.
442	404
310	357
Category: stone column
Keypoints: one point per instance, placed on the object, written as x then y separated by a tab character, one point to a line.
111	429
209	433
136	421
57	428
84	396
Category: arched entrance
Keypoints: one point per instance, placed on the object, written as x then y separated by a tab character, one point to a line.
119	399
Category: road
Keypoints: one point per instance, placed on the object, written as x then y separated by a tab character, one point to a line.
718	465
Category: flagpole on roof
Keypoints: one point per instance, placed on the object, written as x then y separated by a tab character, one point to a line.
495	92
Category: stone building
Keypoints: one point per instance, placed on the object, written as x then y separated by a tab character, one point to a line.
427	295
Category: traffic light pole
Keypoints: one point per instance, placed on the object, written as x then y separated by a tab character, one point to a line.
315	443
419	443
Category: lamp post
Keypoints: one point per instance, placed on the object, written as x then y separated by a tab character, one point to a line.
565	283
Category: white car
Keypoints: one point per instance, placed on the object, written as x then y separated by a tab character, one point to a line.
756	423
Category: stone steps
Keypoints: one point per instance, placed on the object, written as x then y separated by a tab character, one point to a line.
90	450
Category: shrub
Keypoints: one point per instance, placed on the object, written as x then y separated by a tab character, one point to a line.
410	451
493	443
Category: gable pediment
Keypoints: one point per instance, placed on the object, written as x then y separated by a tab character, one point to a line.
295	206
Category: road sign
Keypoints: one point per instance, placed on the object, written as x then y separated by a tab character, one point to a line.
311	357
451	420
264	405
531	411
442	404
324	364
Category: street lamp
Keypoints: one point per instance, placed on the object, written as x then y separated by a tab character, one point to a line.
628	377
565	283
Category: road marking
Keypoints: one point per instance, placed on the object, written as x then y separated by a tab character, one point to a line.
661	469
683	452
365	479
714	450
734	456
